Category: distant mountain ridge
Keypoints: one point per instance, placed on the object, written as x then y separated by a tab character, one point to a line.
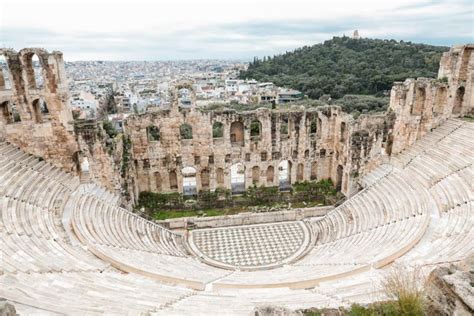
344	65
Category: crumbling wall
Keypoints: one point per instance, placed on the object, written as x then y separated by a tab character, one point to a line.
423	104
315	143
103	154
42	130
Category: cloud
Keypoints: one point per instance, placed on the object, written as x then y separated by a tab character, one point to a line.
434	22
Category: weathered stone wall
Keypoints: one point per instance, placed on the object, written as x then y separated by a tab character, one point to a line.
309	155
45	133
317	143
423	104
103	154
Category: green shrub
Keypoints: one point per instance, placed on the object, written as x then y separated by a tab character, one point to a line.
109	128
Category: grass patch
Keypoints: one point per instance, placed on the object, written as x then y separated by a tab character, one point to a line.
468	118
161	206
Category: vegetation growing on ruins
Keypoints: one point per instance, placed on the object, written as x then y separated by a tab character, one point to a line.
109	128
404	288
351	103
343	65
222	202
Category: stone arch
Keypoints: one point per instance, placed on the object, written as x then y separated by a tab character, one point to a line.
343	131
256	175
420	96
314	171
284	127
237	178
173	180
339	174
220	177
300	172
204	179
458	100
440	100
237	133
5	81
189	180
270	174
34	66
158	181
186	131
40	110
284	174
217	130
185	97
313	128
153	133
5	113
255	128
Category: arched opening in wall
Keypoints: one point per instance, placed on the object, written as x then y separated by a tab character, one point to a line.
314	171
458	100
313	128
40	110
220	177
15	114
270	174
284	128
217	130
340	170
184	98
157	177
320	126
153	133
441	100
237	178
186	131
34	72
5	83
255	175
300	172
420	95
173	179
255	129
5	114
189	181
343	132
284	175
205	179
237	133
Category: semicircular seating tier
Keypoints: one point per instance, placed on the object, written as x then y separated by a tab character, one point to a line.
68	248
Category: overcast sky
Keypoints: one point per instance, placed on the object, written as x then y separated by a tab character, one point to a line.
177	29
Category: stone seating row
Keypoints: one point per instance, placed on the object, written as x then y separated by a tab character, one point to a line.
376	175
425	143
100	193
31	239
449	239
101	223
454	189
353	216
11	155
89	293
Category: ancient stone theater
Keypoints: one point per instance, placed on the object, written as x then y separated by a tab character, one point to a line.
70	244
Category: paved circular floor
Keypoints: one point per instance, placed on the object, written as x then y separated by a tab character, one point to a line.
252	246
